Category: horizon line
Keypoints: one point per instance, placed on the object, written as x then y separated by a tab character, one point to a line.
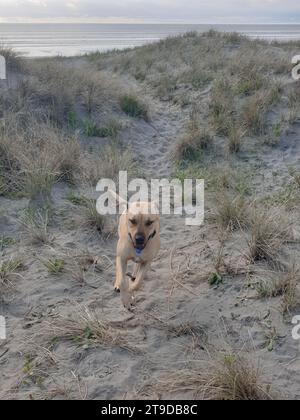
121	21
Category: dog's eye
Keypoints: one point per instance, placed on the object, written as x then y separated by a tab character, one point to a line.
133	222
149	222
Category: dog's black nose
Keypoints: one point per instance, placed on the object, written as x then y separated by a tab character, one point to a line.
139	239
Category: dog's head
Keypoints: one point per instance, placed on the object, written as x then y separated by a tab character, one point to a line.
143	223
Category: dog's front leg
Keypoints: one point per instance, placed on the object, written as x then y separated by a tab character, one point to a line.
122	282
139	275
121	266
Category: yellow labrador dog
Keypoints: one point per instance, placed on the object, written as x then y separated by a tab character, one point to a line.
139	241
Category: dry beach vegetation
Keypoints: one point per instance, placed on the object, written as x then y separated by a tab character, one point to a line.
213	320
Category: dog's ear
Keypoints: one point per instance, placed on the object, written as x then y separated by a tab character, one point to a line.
121	202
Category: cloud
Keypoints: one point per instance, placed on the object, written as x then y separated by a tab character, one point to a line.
155	10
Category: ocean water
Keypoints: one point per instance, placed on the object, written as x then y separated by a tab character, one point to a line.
38	40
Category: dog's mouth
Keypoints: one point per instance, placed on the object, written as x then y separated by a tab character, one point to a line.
139	246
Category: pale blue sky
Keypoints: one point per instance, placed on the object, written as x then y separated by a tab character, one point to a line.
194	11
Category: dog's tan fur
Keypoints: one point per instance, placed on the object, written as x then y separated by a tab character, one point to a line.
139	218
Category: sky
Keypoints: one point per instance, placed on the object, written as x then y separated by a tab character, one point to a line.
139	11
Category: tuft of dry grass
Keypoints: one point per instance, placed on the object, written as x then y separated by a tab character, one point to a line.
231	178
36	226
9	270
231	377
294	104
71	155
9	167
91	90
283	283
291	297
231	211
222	106
235	138
55	86
250	80
295	175
191	145
88	214
269	231
253	117
92	217
87	328
112	160
36	157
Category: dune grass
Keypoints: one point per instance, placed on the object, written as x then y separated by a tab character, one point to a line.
133	106
230	377
231	211
89	328
13	60
9	269
269	231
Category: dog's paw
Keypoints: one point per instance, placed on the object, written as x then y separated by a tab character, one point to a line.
129	307
117	289
127	303
127	300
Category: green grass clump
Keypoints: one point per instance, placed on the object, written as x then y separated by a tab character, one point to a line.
76	199
54	266
133	107
6	242
91	129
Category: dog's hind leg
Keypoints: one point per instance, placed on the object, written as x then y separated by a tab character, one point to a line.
126	293
135	271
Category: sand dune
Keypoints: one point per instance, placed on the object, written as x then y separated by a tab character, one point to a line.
218	303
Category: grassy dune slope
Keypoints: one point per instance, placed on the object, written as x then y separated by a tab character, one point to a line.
213	320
